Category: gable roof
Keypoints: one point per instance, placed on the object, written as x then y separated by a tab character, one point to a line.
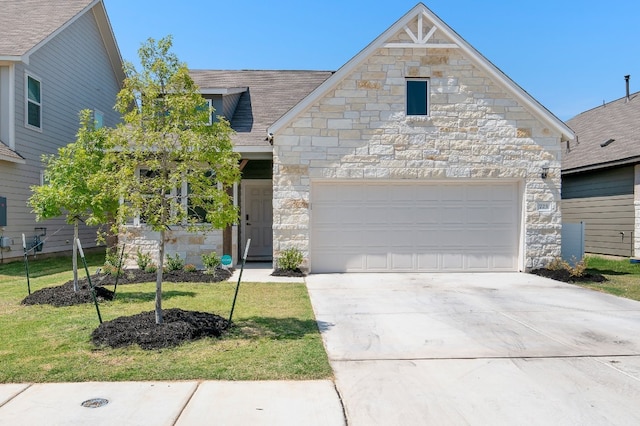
265	97
420	12
618	120
26	25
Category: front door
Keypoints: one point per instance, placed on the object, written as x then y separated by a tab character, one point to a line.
257	218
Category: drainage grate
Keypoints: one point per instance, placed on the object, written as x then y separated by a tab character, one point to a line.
95	402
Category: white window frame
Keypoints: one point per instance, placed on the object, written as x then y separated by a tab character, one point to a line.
428	100
27	101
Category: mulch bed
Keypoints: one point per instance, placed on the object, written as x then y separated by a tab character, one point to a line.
564	276
288	273
178	327
64	295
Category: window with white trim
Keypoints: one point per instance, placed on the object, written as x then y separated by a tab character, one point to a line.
33	113
418	97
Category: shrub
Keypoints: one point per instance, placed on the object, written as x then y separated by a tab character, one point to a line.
210	261
112	261
290	259
577	270
143	260
174	263
151	268
190	267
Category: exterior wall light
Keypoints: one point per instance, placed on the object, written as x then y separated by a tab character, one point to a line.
545	171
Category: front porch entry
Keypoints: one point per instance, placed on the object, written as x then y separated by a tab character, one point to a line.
256	218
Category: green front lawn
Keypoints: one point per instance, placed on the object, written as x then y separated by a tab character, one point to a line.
275	338
623	277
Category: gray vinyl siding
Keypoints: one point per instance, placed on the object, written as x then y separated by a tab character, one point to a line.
75	74
609	182
605	218
230	102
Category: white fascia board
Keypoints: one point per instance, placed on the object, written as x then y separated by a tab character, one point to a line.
6	60
478	59
223	91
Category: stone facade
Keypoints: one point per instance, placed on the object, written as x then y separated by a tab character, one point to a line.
474	130
190	246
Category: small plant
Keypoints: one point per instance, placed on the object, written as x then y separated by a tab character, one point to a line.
190	267
174	263
211	261
577	270
290	259
151	268
112	261
143	260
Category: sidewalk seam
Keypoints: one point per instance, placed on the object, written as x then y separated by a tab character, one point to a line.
14	396
186	404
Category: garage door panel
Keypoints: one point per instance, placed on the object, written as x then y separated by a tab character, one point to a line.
408	226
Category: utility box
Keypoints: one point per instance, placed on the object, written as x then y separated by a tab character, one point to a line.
3	211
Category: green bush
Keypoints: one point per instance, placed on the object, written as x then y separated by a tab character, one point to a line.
143	260
112	261
151	268
290	259
174	263
210	261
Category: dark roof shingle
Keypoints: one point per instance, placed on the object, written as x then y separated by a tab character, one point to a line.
25	23
269	96
618	120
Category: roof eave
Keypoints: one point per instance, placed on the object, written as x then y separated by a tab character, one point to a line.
605	165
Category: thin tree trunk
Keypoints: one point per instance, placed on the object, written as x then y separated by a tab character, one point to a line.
74	256
159	280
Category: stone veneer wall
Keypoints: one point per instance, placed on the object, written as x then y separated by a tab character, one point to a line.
475	130
190	246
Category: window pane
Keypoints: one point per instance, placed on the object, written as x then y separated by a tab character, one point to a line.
33	114
34	90
417	97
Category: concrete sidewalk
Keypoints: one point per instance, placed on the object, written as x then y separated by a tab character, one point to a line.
172	403
260	272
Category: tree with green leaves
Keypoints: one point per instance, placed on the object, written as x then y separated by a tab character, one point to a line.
169	162
69	186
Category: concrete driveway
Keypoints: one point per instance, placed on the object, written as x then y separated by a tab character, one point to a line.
479	349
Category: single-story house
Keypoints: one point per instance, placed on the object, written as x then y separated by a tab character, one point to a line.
56	59
418	154
601	177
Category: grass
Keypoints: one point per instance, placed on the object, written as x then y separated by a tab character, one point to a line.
275	338
623	277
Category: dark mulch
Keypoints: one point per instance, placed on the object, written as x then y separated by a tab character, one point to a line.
564	276
178	327
288	273
64	295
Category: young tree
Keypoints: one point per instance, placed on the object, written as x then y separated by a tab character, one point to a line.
168	160
68	184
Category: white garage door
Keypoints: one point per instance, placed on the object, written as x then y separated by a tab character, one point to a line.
377	227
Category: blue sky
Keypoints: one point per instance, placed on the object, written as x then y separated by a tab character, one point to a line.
571	55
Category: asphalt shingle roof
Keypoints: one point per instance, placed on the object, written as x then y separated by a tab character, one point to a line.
618	120
37	20
269	96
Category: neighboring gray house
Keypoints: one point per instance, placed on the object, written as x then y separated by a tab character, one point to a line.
417	155
56	58
601	177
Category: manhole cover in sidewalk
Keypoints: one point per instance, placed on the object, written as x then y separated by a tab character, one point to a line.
95	402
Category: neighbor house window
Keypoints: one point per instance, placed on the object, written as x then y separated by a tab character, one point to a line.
98	119
418	97
34	103
207	107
